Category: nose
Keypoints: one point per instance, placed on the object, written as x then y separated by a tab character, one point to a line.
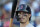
21	16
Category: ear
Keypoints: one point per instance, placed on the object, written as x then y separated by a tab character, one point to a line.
29	15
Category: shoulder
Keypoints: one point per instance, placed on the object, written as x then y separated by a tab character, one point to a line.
29	25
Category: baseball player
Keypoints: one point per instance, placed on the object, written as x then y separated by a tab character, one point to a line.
23	14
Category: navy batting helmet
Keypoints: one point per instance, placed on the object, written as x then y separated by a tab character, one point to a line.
24	8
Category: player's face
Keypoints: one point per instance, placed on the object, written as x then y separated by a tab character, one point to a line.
23	17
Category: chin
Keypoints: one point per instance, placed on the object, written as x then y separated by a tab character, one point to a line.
22	22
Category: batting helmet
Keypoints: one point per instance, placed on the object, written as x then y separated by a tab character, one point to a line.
24	8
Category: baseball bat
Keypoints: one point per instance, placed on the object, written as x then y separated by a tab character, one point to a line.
13	11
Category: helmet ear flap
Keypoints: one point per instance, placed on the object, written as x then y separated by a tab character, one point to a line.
29	9
17	16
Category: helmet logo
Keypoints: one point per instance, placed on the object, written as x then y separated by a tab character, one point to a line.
21	7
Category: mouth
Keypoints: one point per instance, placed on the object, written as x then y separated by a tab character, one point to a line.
21	18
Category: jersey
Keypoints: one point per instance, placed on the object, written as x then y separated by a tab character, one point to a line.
29	25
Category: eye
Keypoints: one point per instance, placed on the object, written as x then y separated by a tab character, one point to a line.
25	15
19	13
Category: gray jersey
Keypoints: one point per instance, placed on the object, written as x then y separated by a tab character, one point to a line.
29	25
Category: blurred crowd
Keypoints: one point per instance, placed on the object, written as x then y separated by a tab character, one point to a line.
6	8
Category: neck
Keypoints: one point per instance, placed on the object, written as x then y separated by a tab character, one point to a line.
24	24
